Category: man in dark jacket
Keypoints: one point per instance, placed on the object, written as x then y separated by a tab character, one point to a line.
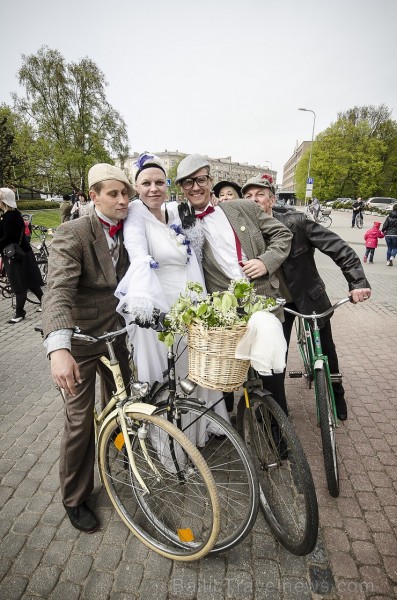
302	278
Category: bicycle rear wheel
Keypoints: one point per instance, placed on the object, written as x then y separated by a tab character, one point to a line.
287	494
179	516
327	425
229	462
326	221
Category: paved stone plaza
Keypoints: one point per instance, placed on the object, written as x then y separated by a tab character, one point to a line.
42	556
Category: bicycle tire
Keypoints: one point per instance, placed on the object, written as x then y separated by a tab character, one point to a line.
180	517
230	464
287	493
327	426
326	221
43	267
359	221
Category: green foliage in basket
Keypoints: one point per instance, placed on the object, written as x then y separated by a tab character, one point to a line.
219	309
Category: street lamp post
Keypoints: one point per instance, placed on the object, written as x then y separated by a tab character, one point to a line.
311	145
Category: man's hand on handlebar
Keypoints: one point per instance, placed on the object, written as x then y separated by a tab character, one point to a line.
360	295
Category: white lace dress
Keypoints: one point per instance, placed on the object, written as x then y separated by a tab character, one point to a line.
162	262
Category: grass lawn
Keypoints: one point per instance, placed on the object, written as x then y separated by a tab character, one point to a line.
50	218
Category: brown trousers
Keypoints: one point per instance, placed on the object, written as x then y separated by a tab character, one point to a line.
77	453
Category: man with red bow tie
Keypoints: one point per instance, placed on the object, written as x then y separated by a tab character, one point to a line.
240	239
86	262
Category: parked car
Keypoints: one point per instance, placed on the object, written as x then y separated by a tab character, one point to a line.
344	200
382	202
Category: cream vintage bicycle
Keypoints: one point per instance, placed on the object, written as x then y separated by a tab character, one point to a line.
157	480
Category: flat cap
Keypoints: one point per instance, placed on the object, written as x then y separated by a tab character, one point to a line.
104	172
189	165
265	181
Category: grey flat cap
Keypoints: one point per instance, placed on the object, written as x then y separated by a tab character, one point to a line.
265	181
189	165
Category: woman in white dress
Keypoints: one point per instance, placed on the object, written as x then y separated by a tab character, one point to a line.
162	262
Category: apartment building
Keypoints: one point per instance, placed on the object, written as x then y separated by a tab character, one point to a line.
221	168
288	184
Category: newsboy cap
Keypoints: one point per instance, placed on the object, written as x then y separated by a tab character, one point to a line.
8	197
265	181
103	172
189	165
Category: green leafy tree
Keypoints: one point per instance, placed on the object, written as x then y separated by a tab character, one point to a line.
8	158
174	189
74	125
355	156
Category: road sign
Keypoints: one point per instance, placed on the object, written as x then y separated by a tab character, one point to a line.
309	186
310	180
168	182
309	193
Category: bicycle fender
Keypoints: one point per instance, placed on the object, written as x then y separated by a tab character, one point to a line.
136	407
319	364
141	408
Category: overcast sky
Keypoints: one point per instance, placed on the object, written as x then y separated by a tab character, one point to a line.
218	77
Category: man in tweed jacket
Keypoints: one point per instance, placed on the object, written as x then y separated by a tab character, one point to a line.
86	262
240	239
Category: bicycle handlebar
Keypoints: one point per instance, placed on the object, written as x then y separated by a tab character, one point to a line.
314	315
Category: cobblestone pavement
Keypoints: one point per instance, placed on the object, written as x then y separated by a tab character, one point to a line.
42	556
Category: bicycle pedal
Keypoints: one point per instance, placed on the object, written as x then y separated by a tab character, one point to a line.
295	374
336	377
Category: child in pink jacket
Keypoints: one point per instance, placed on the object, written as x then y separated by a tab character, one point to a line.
371	241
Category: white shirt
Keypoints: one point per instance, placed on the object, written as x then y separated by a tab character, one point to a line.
220	236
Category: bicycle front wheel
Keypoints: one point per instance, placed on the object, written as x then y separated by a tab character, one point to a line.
359	221
327	421
229	462
287	494
43	267
178	515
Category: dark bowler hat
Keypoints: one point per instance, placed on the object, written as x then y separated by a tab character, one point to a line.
218	186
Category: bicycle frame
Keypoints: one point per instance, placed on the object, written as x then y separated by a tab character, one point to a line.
121	404
316	359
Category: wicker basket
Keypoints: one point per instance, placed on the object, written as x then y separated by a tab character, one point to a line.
211	357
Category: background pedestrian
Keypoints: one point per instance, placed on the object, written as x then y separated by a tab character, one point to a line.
371	237
22	271
390	230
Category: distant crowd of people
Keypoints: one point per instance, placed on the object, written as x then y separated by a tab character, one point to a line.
74	205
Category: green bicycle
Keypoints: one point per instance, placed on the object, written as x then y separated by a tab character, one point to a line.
317	371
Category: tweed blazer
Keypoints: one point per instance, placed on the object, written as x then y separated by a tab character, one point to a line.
81	282
261	237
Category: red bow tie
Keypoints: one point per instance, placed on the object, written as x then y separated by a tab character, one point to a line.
210	209
113	229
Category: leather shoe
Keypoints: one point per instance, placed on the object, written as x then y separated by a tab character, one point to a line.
82	517
341	409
